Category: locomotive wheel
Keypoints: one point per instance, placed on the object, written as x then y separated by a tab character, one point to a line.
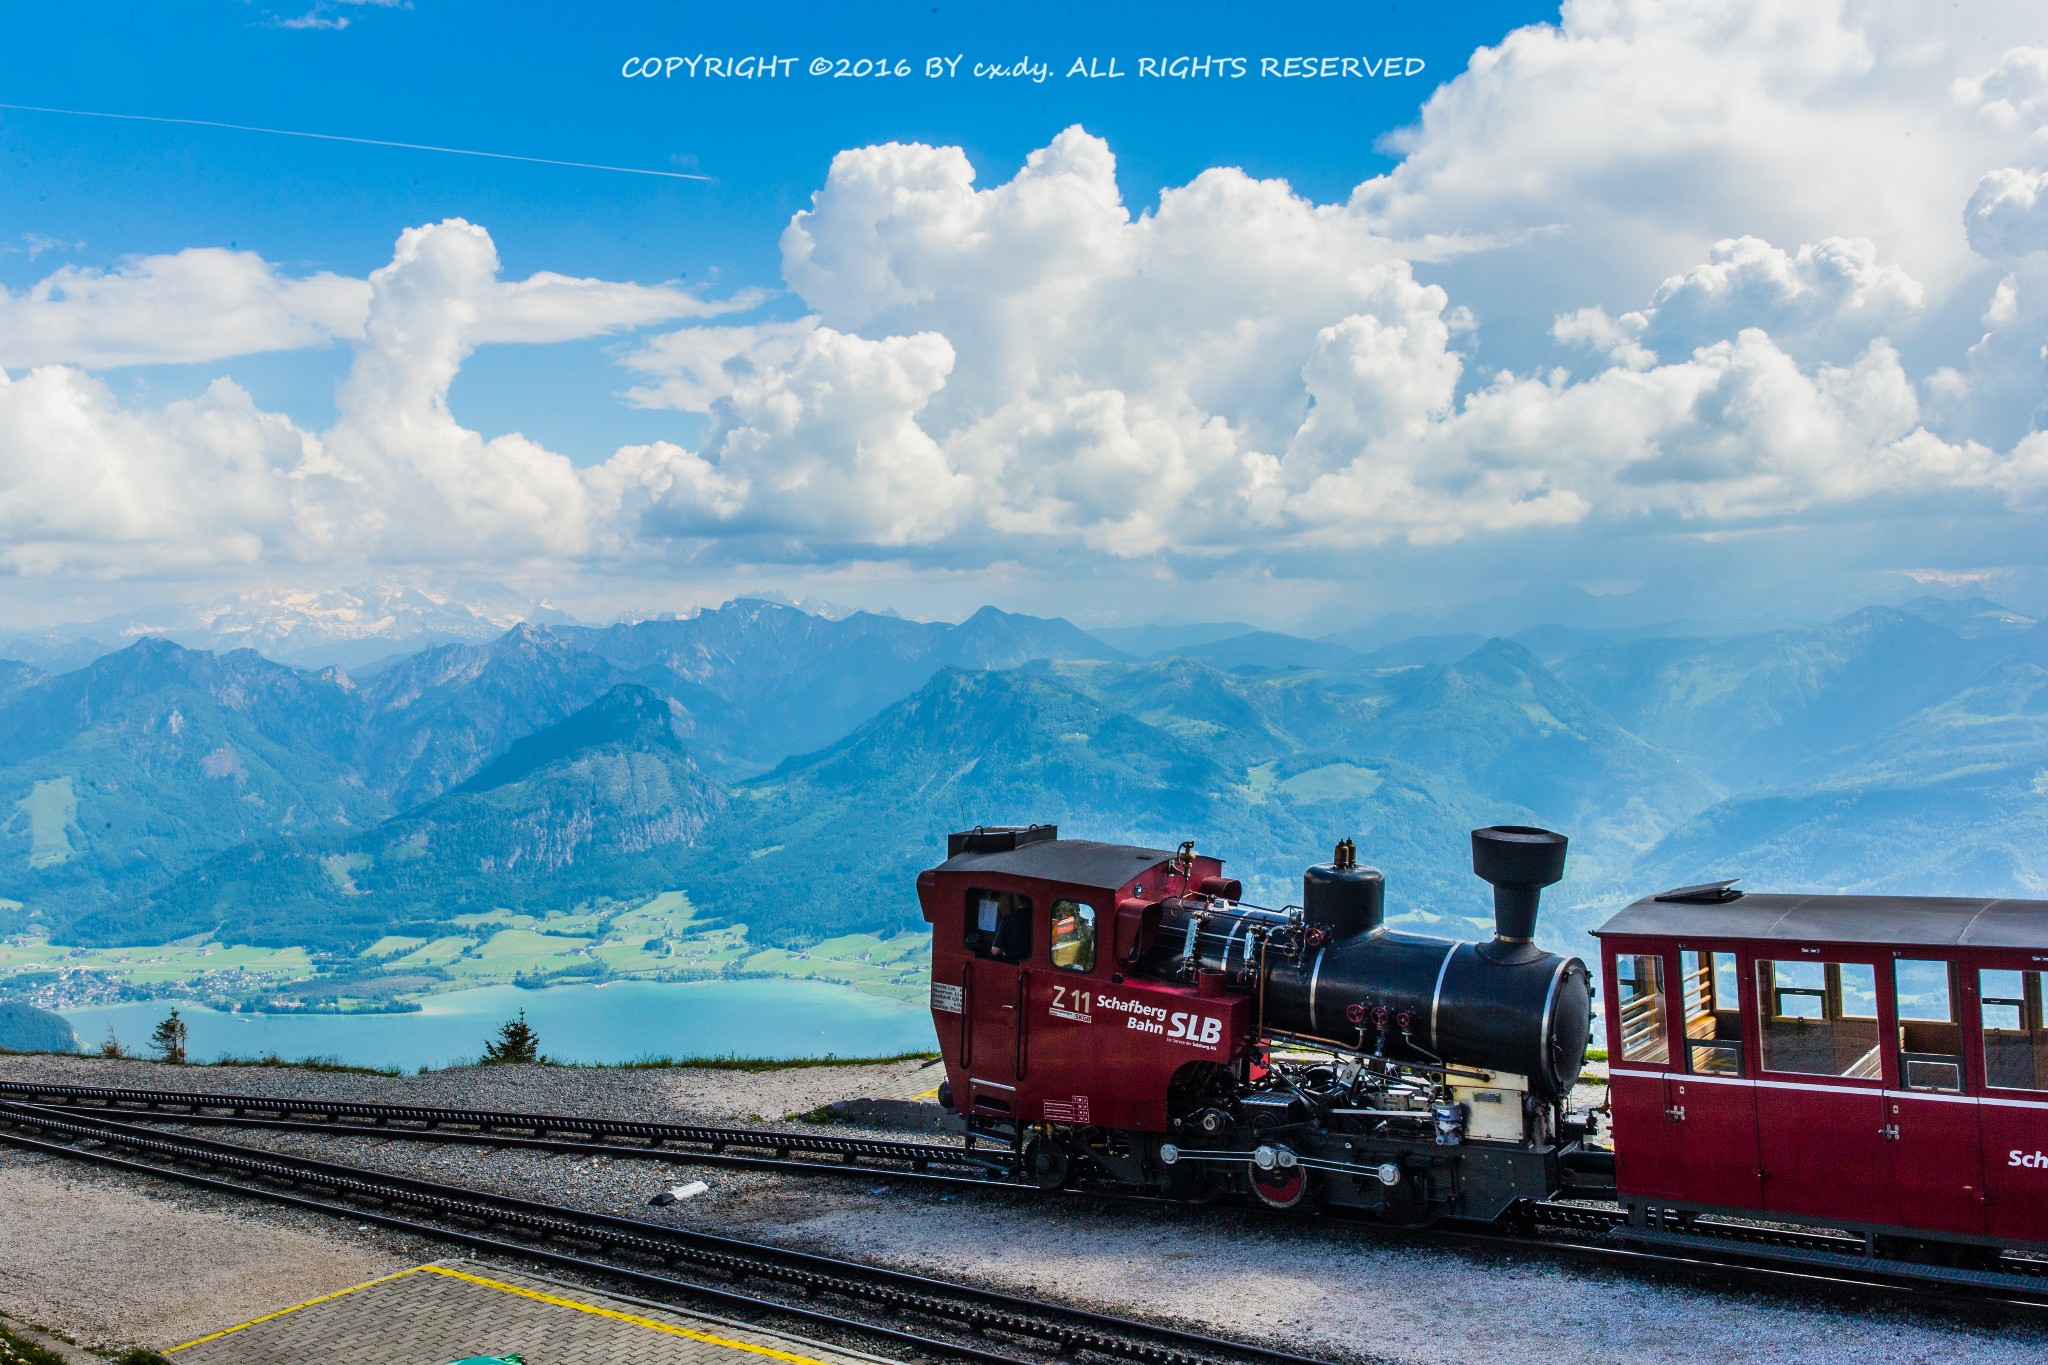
1045	1163
1280	1188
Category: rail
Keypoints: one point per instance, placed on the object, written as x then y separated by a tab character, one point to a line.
764	1148
1769	1253
876	1297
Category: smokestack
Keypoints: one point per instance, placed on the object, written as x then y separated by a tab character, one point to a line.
1519	861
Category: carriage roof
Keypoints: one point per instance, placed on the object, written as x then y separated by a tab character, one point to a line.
1962	922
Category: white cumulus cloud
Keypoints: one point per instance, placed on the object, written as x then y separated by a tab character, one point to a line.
1631	134
206	303
1828	298
1747	211
203	303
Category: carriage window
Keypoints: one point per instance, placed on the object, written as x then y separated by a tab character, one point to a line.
2015	1043
1073	936
1820	1018
1640	977
1930	1032
998	925
1713	1013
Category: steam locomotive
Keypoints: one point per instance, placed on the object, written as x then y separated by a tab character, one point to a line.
1877	1064
1121	1014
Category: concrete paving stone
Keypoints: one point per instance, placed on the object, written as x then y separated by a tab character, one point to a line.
918	1082
432	1314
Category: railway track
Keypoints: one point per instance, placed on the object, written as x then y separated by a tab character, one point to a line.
1765	1253
755	1148
953	1321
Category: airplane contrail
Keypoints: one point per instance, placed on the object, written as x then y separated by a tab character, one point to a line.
363	141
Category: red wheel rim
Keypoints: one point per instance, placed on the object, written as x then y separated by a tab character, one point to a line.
1279	1188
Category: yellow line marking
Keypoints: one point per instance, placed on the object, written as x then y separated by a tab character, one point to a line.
225	1331
930	1094
789	1357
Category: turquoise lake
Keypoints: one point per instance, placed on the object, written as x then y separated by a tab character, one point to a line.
609	1023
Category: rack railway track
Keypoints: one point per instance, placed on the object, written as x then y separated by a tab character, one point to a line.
955	1321
756	1148
1770	1255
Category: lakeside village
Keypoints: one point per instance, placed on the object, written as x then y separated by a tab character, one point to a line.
654	940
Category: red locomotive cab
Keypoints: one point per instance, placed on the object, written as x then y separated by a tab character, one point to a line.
1037	1020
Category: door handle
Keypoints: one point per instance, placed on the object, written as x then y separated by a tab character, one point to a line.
1676	1113
1890	1132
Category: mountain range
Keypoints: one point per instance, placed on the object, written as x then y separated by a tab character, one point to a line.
794	770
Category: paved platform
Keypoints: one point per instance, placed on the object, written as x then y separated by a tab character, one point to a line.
921	1083
433	1314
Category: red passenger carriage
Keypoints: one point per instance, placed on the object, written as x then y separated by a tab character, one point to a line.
1866	1062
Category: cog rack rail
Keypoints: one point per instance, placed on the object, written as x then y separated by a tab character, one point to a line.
761	1148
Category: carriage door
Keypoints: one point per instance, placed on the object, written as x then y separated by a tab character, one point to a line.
1930	1120
1648	1146
998	937
1714	1099
1820	1105
2012	1042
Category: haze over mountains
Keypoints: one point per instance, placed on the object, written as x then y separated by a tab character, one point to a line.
793	770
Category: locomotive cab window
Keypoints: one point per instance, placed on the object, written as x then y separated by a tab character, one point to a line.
998	925
1640	981
1073	936
1930	1030
1713	1013
1820	1018
2015	1043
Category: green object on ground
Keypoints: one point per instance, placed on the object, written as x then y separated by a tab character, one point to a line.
490	1360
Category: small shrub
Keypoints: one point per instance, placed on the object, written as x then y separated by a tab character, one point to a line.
142	1356
516	1042
110	1046
169	1039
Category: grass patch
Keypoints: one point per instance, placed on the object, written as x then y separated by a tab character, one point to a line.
732	1062
52	810
268	1059
19	1350
1596	1054
304	1064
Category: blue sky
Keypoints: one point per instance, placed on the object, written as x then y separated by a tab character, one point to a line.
1646	282
526	80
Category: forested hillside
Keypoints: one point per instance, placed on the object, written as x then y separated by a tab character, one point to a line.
792	773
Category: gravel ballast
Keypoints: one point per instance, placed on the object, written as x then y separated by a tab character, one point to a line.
1320	1288
112	1261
